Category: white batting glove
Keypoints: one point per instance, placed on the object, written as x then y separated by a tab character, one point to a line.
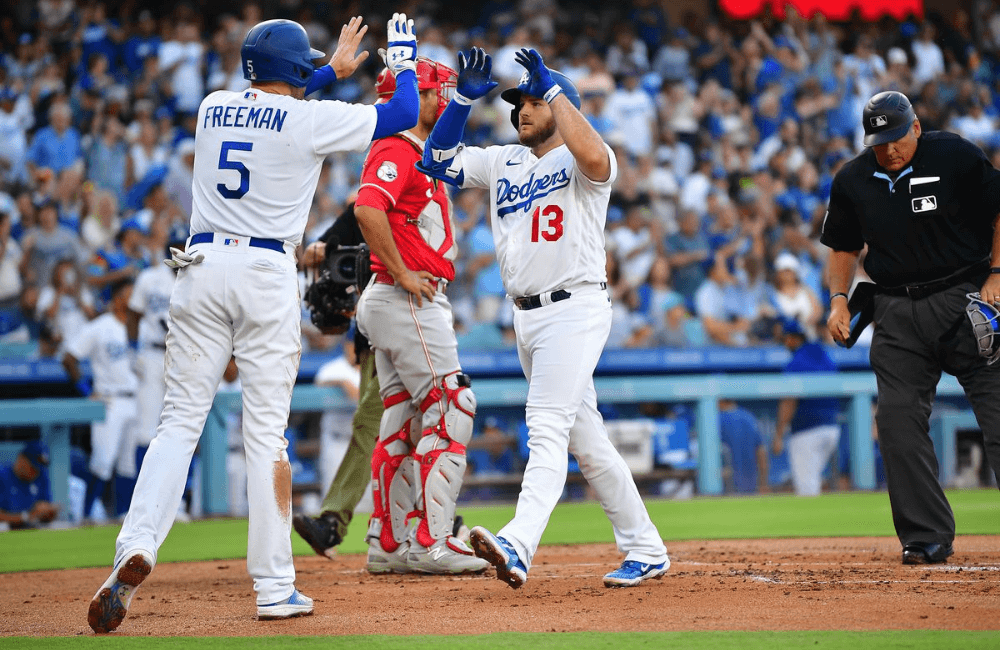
402	40
179	259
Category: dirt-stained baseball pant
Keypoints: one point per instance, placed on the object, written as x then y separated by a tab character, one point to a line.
354	474
240	301
559	346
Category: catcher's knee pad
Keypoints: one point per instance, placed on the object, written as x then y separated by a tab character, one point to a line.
395	478
441	453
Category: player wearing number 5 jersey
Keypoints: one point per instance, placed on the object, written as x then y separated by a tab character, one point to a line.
257	161
549	198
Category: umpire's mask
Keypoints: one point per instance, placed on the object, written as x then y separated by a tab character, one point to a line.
985	319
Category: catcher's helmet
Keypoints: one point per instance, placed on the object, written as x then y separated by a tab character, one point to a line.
430	74
513	95
278	50
887	117
985	319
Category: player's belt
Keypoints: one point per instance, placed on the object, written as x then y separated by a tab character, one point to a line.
256	242
919	291
547	298
383	277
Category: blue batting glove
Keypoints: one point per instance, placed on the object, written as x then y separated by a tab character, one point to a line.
83	387
474	80
402	45
540	82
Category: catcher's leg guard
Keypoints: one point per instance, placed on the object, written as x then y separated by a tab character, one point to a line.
394	475
441	454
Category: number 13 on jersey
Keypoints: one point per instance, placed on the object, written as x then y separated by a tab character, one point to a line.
547	222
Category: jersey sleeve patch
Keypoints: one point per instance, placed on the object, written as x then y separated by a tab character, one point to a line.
387	171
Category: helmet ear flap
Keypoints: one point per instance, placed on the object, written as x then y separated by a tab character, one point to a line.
514	119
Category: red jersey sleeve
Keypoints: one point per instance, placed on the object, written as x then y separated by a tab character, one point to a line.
387	172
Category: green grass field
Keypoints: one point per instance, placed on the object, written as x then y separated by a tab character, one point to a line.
851	514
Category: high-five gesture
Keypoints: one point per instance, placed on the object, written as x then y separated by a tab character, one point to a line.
402	45
344	62
474	80
539	82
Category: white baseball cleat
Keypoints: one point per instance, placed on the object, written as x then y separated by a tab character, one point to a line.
382	561
446	556
110	604
295	605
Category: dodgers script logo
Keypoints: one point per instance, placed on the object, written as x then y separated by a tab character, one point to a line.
525	194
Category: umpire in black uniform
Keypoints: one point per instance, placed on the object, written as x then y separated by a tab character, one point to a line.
926	204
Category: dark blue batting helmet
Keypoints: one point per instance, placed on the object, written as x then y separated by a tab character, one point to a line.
278	50
513	95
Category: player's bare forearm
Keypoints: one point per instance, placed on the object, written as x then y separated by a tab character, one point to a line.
375	227
132	324
72	367
581	139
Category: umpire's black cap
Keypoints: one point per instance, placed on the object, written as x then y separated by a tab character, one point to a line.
887	117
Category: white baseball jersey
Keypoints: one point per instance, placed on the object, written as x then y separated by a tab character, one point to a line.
104	342
548	218
151	298
259	157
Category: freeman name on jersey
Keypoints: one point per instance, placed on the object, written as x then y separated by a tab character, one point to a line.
530	190
253	117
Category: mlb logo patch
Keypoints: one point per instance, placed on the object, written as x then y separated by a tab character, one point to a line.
925	204
879	121
250	94
232	242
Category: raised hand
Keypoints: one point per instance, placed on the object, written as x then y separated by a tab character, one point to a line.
540	82
401	53
344	62
474	80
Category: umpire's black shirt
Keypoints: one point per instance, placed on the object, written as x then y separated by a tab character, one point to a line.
934	219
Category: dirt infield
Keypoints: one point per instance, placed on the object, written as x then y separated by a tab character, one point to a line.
788	584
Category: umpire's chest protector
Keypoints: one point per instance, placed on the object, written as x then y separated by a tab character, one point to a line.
935	217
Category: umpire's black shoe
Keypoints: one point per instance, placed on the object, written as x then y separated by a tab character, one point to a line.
320	532
926	553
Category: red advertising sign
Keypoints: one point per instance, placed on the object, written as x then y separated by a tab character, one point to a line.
836	10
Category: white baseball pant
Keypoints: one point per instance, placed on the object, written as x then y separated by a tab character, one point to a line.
112	442
559	346
152	388
240	301
809	451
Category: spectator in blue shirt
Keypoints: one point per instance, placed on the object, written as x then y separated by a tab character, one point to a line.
814	431
56	146
741	436
25	490
689	252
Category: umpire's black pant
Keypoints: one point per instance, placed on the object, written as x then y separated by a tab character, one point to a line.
914	341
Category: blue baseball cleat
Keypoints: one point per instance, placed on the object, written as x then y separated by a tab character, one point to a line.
294	605
499	552
632	573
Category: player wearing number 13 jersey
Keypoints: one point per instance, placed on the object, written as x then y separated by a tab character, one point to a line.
549	200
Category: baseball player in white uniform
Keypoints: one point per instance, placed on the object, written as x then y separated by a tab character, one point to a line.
549	196
148	320
258	157
104	342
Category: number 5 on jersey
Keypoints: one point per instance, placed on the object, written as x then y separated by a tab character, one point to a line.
547	222
236	165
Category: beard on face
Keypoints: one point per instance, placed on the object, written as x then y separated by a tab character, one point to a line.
542	133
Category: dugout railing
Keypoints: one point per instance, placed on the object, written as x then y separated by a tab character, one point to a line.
54	415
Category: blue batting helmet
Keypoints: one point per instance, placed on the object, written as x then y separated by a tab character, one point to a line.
278	50
513	95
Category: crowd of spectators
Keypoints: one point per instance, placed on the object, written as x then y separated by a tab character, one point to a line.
727	136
